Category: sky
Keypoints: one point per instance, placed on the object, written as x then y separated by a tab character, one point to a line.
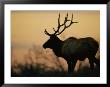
27	31
27	27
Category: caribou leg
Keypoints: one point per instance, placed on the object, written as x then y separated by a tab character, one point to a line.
91	61
97	61
71	66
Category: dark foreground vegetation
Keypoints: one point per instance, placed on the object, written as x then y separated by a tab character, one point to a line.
39	71
36	69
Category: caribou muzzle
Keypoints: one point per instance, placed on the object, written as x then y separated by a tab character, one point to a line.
44	46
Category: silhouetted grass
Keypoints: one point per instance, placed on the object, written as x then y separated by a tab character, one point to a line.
33	69
85	72
41	72
38	71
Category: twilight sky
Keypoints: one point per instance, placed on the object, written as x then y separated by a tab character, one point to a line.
27	27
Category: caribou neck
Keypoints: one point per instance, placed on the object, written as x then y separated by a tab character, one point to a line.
57	48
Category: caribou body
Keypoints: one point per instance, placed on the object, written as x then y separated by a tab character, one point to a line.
72	49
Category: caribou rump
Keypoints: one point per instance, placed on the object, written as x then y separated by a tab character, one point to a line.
72	49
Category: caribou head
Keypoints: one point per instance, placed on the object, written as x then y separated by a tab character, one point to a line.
54	42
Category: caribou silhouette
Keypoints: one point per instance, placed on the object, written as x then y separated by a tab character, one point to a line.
72	49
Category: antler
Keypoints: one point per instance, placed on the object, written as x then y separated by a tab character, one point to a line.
60	25
64	24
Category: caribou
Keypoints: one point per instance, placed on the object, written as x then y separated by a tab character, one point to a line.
72	49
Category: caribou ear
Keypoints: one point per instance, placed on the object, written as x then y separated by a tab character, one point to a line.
47	33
